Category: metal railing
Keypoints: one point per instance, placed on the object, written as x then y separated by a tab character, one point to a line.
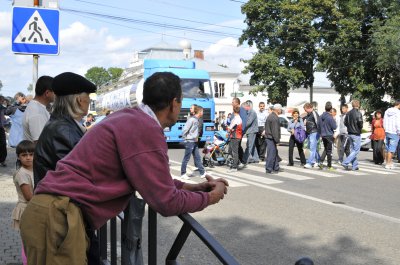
189	224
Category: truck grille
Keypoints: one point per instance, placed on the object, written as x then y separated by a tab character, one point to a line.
183	115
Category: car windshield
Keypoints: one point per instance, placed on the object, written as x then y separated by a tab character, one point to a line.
196	88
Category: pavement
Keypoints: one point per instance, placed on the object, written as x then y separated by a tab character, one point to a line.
10	241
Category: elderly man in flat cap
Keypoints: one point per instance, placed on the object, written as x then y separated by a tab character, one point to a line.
64	130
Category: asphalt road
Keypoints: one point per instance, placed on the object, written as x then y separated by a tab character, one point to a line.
337	218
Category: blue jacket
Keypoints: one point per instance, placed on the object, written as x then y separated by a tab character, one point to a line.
327	124
297	124
243	116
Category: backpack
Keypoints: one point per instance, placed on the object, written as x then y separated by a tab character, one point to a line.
299	134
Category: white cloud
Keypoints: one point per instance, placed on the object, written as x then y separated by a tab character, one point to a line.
23	59
78	36
113	44
226	51
5	25
5	43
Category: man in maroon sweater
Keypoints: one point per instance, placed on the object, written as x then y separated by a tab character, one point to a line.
125	153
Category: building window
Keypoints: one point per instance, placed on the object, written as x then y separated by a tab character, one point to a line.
216	89
221	90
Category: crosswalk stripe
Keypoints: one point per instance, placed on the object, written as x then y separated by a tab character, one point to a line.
376	171
230	178
249	177
184	180
350	172
232	184
280	174
315	171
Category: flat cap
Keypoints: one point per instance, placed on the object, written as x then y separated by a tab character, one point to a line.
70	83
277	106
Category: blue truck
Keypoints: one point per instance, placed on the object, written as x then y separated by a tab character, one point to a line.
196	89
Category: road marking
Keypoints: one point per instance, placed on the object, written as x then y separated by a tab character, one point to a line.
232	184
377	171
342	206
316	171
307	197
241	175
248	177
280	174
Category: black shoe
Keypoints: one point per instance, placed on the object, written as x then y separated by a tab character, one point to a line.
280	170
2	164
290	165
270	172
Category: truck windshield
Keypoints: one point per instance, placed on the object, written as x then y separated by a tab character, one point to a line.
196	88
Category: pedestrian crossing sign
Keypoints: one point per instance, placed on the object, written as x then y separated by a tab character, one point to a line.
35	30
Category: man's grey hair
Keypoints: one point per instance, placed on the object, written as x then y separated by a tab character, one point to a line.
249	103
68	106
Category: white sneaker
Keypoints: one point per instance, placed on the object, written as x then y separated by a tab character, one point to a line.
231	170
389	166
204	175
308	166
185	176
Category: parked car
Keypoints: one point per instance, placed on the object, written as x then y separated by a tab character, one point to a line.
365	141
284	122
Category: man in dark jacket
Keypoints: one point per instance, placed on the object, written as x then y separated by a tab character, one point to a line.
354	123
328	125
272	138
311	121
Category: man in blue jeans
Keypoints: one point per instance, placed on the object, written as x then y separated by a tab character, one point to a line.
391	123
354	123
311	121
190	134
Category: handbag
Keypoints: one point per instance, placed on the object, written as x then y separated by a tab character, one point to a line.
131	249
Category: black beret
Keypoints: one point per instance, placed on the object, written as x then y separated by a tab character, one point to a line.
69	83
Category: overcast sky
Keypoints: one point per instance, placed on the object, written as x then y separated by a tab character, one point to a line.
106	33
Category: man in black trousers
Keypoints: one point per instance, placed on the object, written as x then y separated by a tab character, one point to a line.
272	138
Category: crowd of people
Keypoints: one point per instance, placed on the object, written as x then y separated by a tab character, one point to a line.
71	180
309	130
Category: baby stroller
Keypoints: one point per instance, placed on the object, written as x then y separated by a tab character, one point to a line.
217	151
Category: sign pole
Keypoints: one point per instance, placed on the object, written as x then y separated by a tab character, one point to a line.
35	61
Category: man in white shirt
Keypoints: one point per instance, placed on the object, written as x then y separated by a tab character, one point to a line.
262	115
36	114
391	123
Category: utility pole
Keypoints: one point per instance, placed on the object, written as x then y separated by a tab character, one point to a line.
35	60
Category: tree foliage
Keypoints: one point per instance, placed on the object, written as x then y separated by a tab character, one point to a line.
356	42
100	76
287	35
363	58
115	73
29	88
1	85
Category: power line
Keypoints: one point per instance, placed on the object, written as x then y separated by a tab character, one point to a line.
238	1
149	31
193	9
154	24
156	15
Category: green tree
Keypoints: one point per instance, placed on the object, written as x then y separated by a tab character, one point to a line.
115	73
362	58
1	85
288	35
29	88
98	75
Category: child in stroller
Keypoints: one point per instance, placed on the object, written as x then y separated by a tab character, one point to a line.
218	150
